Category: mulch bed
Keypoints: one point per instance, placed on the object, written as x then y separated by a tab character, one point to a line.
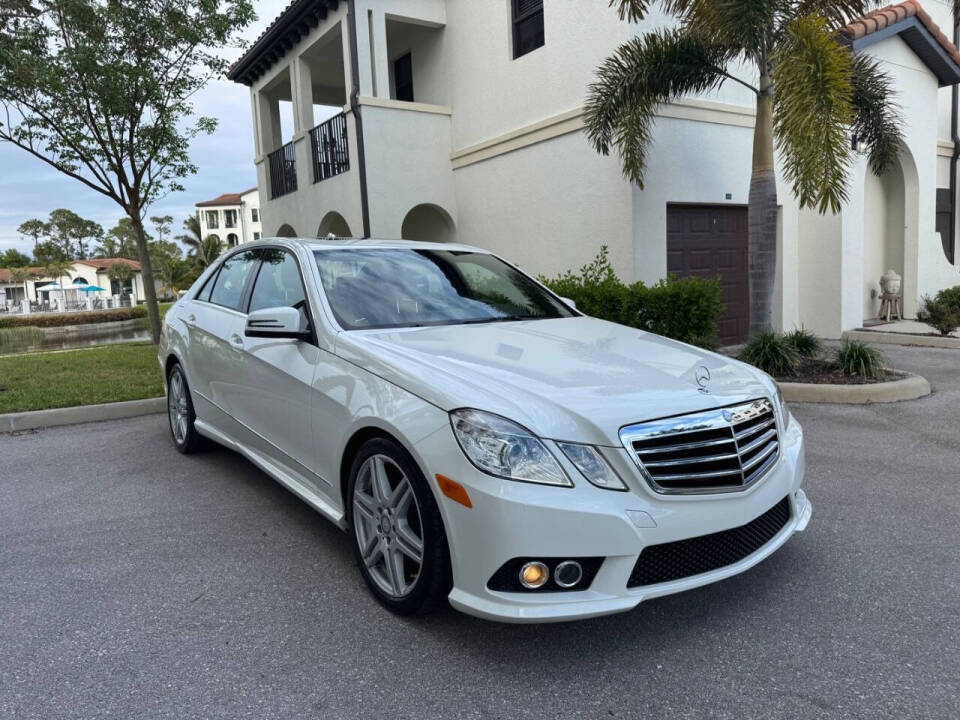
824	372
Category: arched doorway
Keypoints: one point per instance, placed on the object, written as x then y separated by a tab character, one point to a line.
232	240
884	220
429	223
334	223
286	231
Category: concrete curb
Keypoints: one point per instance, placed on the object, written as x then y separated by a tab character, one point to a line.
891	338
908	388
31	420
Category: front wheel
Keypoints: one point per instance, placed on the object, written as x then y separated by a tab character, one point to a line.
398	535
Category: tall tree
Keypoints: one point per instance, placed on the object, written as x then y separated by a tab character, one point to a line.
21	275
57	269
14	258
49	252
202	250
72	232
34	228
101	92
121	241
811	93
162	224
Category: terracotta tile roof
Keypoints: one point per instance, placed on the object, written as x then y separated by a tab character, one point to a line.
884	17
100	264
104	264
225	199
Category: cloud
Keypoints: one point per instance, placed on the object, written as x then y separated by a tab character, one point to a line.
29	188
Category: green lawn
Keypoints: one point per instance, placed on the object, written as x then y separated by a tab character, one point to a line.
108	373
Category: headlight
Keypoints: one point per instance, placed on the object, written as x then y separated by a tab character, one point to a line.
781	409
590	462
502	448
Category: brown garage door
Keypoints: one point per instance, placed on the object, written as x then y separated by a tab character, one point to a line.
711	240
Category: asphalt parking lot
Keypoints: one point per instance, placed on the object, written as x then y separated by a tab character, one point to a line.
135	582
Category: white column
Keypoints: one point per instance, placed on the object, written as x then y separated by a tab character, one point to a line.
270	137
380	60
301	88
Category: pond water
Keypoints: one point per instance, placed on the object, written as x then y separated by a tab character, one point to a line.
21	340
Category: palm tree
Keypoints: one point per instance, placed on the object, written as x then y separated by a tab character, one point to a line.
21	275
193	237
815	99
57	269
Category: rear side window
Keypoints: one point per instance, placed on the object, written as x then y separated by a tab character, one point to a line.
278	283
228	289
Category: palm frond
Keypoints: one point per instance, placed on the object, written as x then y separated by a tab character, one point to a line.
837	12
812	109
641	75
877	121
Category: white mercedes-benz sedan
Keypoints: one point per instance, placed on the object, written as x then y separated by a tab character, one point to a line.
478	438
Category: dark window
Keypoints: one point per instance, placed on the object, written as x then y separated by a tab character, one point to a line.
255	214
228	289
278	283
527	26
403	77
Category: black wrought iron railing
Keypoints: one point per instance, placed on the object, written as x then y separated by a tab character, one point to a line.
331	155
283	171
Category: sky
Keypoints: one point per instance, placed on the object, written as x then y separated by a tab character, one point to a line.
29	188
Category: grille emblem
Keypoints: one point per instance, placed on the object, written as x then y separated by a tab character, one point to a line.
702	375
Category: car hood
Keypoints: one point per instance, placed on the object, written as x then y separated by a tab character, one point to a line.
577	379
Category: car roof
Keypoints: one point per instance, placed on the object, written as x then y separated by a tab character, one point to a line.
370	243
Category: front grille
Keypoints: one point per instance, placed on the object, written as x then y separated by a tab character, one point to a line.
686	558
720	450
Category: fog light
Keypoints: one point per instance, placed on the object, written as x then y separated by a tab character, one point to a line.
568	573
534	575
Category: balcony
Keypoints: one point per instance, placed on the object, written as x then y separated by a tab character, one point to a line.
329	148
282	166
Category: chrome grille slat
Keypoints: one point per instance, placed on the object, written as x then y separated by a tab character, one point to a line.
687	461
736	446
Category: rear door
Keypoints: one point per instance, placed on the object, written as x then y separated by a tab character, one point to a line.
217	336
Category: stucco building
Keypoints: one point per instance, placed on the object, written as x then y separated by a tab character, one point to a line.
232	217
441	120
46	291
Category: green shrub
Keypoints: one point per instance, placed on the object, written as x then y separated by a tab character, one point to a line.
856	358
805	343
951	298
772	353
685	309
55	319
939	314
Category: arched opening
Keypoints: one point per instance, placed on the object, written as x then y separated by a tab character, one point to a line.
286	231
334	223
232	240
80	280
883	232
428	223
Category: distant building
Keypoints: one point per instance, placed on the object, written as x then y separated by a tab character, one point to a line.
46	291
232	217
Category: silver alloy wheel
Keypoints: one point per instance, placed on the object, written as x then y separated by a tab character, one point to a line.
178	408
386	520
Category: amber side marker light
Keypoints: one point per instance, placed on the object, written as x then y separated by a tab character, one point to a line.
453	490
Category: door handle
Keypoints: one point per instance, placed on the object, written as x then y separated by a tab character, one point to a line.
191	319
236	341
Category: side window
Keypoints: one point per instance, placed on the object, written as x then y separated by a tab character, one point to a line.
527	26
228	288
278	283
204	292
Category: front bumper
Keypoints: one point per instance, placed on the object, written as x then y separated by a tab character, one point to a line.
512	519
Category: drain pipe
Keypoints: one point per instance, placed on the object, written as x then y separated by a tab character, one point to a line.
955	155
358	120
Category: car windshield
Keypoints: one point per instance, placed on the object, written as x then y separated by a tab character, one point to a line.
398	287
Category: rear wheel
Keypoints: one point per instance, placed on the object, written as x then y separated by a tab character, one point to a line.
398	535
180	412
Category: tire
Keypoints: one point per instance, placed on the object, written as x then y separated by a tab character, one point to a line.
180	414
385	525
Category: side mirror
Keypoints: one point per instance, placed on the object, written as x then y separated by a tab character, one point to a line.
277	323
569	303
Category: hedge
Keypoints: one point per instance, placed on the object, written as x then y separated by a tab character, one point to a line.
685	309
55	319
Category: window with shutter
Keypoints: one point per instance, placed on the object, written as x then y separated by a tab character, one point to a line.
527	26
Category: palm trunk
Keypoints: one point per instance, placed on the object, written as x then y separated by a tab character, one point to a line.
146	274
762	215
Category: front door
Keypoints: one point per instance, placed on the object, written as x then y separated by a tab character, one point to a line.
710	241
